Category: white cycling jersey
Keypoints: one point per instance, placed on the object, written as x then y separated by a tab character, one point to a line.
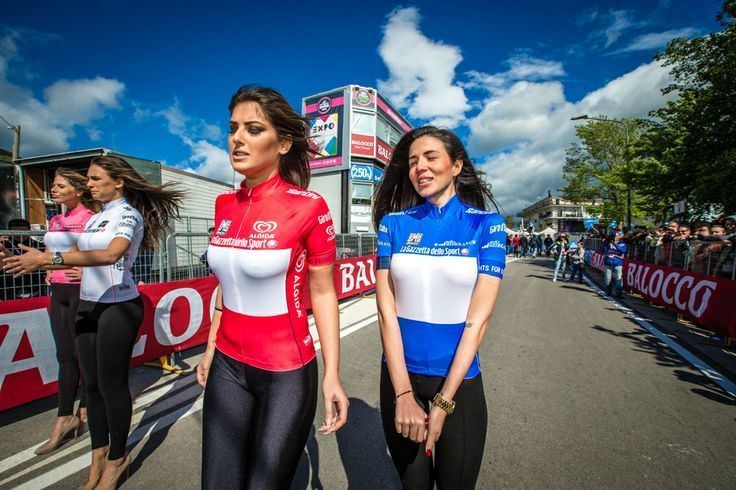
111	283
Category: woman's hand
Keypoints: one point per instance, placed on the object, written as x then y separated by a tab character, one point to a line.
437	418
26	263
336	404
74	274
47	279
203	368
410	419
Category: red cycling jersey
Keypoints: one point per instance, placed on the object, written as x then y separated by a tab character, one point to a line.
264	237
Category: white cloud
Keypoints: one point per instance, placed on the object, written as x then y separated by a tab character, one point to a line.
421	71
48	124
206	158
526	129
620	21
521	67
655	40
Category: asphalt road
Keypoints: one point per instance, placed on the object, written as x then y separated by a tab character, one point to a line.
579	395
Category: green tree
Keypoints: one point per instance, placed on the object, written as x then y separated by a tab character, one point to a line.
689	150
510	220
599	167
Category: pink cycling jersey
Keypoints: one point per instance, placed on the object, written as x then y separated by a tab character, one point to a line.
63	233
265	237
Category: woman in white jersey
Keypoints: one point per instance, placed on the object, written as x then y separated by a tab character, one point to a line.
134	214
69	189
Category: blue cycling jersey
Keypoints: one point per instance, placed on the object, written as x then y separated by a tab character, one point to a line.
434	256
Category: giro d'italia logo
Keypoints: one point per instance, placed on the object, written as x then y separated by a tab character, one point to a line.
363	97
324	105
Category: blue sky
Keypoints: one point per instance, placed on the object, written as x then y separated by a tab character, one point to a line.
153	79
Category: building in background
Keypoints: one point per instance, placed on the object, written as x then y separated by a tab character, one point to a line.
37	175
353	131
9	208
557	213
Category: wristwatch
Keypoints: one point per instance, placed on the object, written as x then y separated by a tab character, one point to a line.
445	405
57	259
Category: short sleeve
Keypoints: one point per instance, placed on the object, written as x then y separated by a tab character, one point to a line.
130	224
492	246
320	239
384	243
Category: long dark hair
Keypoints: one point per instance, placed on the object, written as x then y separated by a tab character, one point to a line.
396	192
158	204
294	166
79	182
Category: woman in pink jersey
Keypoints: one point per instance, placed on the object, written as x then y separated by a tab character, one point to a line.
260	370
69	189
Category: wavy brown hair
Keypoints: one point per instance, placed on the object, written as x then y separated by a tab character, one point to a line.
79	182
158	204
294	166
396	192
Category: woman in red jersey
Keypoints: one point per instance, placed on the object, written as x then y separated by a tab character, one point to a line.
259	367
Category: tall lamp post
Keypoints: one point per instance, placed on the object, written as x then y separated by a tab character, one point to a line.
628	183
16	167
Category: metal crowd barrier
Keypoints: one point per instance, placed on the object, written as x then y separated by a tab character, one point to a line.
711	258
181	255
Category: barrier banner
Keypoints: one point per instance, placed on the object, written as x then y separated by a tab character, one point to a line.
177	317
704	299
595	260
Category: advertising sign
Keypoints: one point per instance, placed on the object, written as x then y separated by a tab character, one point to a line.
383	151
325	128
177	316
705	299
385	109
362	145
360	172
364	98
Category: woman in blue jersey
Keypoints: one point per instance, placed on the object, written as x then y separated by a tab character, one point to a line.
441	257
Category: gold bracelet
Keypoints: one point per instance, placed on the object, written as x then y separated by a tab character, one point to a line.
447	406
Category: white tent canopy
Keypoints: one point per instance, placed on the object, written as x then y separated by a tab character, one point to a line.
511	231
547	231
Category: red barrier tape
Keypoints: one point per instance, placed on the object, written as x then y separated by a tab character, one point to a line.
710	301
177	316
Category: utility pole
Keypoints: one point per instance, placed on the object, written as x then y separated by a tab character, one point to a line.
17	174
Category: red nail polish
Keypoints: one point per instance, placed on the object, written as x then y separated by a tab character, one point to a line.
429	453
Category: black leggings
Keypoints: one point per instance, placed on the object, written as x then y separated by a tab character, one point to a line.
459	450
255	424
63	314
106	334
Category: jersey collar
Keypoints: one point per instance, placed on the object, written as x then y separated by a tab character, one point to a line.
81	208
113	204
264	189
439	213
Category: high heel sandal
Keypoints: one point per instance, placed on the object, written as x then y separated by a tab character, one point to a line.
53	444
112	483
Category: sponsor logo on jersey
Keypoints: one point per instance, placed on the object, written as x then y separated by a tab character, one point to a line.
264	226
249	243
497	228
223	227
296	294
477	211
307	340
120	264
414	239
383	228
297	192
102	225
464	251
330	230
272	244
324	218
494	244
300	261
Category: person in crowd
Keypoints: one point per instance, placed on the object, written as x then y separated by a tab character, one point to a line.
683	232
673	226
577	257
534	245
259	368
560	255
433	406
69	189
717	230
134	214
729	225
548	245
517	245
701	231
523	245
614	250
203	257
509	245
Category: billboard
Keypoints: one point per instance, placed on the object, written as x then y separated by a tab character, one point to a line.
383	151
326	115
364	98
385	109
360	172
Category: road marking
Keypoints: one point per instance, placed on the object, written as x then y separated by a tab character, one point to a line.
726	384
146	426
